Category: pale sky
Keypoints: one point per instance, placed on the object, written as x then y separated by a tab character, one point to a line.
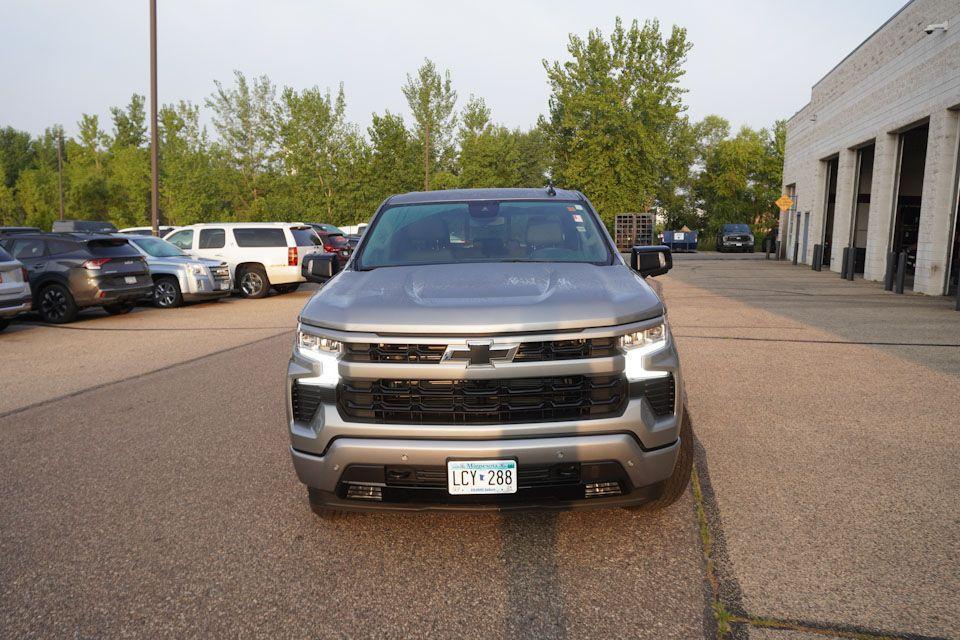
752	61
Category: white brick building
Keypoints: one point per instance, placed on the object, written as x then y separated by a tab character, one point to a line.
872	160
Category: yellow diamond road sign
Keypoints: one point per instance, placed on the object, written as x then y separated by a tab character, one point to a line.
784	202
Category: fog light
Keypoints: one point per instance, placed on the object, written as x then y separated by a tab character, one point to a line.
600	489
364	492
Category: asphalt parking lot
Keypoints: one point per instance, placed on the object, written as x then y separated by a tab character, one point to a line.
147	488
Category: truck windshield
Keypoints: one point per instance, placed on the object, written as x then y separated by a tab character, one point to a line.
483	231
736	228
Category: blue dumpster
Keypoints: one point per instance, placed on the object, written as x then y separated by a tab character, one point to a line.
680	240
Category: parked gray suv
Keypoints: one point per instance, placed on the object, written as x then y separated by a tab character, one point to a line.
487	349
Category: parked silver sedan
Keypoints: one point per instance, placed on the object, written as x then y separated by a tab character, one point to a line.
178	277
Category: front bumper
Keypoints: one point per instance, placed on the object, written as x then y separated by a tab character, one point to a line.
641	471
193	287
737	245
641	442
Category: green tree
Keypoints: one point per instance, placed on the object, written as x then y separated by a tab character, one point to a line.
675	194
740	176
243	117
393	165
36	195
16	153
129	124
10	212
432	100
611	109
494	156
191	182
86	190
312	136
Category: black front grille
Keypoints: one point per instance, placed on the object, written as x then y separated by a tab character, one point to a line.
660	393
306	399
373	352
566	349
527	352
481	401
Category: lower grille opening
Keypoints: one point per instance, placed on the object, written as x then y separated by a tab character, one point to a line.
600	489
536	484
364	492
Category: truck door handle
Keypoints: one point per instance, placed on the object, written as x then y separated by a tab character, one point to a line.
39	265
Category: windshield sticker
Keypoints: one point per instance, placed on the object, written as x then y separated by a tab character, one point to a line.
582	229
570	209
579	207
577	217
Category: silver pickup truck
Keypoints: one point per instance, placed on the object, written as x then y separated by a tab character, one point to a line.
487	349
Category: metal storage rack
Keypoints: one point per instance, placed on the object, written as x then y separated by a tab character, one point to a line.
631	229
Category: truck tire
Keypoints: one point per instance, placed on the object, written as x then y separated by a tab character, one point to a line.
676	484
56	304
325	513
252	281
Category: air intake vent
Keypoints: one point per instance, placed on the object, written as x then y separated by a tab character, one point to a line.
601	489
306	399
364	492
659	392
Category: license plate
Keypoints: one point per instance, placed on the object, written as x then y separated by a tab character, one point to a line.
469	477
130	279
739	244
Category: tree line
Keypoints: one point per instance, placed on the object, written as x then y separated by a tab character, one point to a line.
616	128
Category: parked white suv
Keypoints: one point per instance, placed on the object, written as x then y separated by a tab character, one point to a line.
260	254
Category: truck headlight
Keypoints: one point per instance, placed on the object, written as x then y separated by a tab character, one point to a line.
325	353
639	344
196	269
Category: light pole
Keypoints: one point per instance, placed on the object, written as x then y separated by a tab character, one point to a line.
154	168
60	168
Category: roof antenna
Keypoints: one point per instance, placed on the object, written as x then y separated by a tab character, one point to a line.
550	190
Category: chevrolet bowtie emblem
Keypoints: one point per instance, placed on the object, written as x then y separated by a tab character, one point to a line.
480	353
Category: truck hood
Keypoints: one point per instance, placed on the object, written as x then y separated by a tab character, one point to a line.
482	298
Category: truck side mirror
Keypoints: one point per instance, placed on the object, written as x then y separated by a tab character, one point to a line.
320	267
651	261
